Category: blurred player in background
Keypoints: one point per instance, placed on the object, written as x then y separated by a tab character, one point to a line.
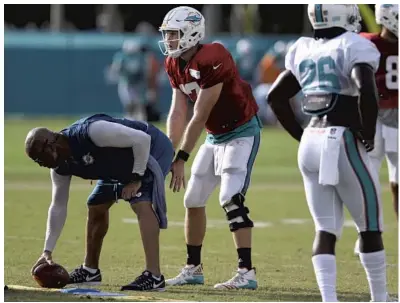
132	68
268	70
336	72
246	60
225	106
131	160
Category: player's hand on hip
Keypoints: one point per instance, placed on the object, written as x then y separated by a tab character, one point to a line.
178	175
369	144
46	257
130	190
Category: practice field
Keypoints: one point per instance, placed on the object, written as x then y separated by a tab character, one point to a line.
281	243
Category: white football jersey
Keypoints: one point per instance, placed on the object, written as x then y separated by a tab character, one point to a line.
324	66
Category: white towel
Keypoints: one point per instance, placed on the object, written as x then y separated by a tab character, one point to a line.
328	167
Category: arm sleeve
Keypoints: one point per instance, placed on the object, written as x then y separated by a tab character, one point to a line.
57	213
109	134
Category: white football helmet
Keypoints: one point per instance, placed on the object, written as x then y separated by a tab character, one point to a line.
243	47
130	46
388	16
346	16
190	28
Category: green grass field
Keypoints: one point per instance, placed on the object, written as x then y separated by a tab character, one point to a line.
282	239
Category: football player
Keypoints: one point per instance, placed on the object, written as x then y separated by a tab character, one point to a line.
224	105
130	69
335	70
130	159
386	136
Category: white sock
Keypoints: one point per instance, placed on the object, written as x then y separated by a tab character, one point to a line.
91	270
325	273
375	268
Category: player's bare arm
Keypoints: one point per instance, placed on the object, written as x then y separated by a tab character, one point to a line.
282	90
364	78
206	100
57	215
177	116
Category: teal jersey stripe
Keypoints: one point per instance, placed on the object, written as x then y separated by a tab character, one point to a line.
250	162
365	179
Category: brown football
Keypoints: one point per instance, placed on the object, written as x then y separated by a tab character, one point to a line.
51	276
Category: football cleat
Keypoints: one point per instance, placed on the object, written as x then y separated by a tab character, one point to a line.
190	274
244	279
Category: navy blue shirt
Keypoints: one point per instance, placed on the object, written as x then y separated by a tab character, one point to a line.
89	161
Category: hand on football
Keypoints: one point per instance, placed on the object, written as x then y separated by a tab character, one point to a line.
178	175
46	257
130	190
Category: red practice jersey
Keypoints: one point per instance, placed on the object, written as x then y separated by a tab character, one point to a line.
213	64
387	74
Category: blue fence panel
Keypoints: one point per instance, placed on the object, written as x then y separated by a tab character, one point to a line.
64	74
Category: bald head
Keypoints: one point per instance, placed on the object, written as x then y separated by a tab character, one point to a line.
44	147
36	138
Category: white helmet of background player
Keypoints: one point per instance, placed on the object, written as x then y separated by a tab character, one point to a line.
388	16
324	16
243	47
189	26
131	46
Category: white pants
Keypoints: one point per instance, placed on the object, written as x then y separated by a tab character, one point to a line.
228	164
356	187
386	139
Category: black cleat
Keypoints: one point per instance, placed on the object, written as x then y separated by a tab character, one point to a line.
146	282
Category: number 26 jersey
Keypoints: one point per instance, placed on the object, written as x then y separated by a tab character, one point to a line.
324	66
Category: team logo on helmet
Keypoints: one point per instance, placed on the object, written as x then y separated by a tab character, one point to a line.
193	17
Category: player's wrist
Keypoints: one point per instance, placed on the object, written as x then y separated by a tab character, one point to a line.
182	155
136	177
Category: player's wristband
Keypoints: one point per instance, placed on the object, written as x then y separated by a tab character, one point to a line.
136	177
182	155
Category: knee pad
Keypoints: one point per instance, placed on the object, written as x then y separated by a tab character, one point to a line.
236	213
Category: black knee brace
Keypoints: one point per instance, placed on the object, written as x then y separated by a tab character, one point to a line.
236	213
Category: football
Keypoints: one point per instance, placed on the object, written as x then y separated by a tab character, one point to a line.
51	276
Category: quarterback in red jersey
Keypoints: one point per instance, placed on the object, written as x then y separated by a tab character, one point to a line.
387	82
225	106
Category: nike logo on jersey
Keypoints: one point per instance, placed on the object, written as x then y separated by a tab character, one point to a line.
215	67
88	279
